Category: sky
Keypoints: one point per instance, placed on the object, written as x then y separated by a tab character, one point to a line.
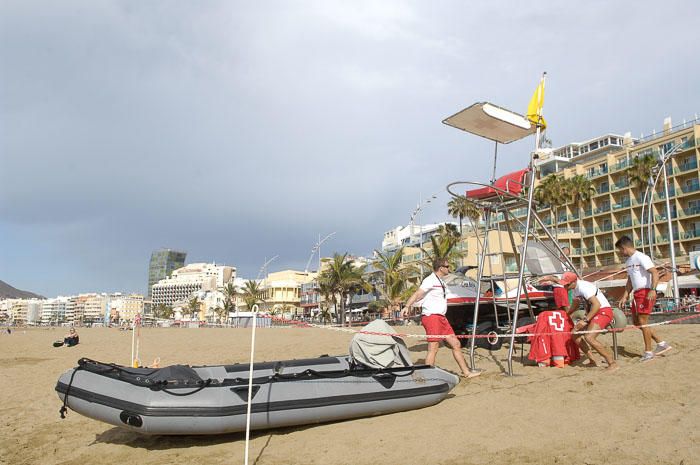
240	131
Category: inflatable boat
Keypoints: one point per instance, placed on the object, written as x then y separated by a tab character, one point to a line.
183	399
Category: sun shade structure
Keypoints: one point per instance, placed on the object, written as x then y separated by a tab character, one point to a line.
492	122
501	202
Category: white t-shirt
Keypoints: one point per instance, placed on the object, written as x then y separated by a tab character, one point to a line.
435	300
638	266
587	290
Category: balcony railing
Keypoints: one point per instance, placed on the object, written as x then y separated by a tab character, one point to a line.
587	212
620	166
603	189
690	211
573	230
597	172
624	204
693	233
620	185
623	225
604	228
603	209
588	230
693	164
662	195
692	187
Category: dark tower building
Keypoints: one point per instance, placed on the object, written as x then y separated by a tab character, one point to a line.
162	264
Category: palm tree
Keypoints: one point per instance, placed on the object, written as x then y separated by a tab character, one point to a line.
551	192
641	174
251	294
221	313
324	314
343	277
394	285
193	305
641	170
326	291
160	310
230	292
461	207
443	246
580	190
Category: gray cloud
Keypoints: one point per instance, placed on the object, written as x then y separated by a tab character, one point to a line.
238	131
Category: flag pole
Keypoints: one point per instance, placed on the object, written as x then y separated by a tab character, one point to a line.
250	384
539	99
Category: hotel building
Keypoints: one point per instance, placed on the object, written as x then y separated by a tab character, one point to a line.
190	279
615	208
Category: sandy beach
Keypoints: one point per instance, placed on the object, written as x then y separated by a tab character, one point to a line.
642	414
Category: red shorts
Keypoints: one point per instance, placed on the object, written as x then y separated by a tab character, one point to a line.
561	297
641	303
436	325
603	317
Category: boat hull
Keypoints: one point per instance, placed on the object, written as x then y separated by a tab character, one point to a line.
287	393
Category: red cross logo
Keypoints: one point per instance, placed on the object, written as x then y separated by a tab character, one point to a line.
556	321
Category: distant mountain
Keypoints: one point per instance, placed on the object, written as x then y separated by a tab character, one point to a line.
9	292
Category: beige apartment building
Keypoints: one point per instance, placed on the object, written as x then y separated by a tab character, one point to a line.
616	207
282	291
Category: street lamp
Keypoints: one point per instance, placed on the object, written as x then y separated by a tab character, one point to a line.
421	205
314	249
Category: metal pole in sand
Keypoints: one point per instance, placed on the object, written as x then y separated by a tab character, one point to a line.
528	220
133	342
250	383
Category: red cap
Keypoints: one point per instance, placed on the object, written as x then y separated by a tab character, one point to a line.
568	278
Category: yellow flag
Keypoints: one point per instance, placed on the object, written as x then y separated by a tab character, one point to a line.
534	108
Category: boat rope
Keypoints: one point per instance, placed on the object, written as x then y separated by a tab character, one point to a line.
64	408
304	324
160	386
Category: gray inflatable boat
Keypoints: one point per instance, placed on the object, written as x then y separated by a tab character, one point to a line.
377	378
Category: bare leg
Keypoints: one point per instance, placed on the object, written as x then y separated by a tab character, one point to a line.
432	352
647	333
453	342
586	349
591	339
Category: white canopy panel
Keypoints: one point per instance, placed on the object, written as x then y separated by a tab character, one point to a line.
492	122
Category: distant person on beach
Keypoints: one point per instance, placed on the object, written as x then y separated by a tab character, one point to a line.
71	338
642	278
599	314
433	293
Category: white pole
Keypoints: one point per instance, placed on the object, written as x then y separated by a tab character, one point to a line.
523	253
669	223
133	341
250	383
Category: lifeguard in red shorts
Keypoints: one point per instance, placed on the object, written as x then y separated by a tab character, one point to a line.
599	314
642	278
433	293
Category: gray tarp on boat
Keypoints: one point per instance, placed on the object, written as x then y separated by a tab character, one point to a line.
379	350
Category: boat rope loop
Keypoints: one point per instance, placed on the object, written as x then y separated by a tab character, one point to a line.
64	408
